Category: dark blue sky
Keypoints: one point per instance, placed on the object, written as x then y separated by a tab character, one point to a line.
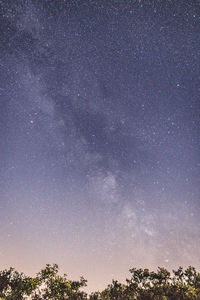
99	135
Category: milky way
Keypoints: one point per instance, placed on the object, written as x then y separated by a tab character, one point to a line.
99	136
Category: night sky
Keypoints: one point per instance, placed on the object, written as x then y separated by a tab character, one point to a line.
99	136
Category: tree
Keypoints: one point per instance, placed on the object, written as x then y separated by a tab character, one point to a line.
142	285
46	285
14	285
160	285
59	287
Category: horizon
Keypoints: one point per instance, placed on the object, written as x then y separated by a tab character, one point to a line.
86	287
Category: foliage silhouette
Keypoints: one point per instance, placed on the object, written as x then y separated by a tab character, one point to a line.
142	285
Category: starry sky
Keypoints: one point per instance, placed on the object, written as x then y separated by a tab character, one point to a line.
99	136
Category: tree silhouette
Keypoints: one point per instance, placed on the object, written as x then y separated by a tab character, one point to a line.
142	285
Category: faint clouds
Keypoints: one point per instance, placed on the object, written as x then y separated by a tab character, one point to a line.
29	19
45	105
149	232
104	187
33	88
137	224
91	159
129	214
